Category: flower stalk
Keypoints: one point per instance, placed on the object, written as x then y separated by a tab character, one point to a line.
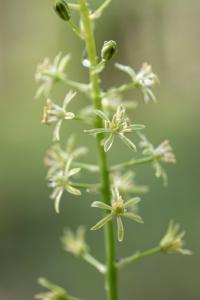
137	256
111	275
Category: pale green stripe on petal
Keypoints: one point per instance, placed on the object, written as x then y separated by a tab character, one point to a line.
132	201
108	143
128	142
97	130
133	217
102	205
120	229
68	98
136	126
57	201
56	131
73	191
102	222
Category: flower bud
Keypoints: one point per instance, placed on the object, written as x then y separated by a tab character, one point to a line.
172	242
108	50
62	9
75	243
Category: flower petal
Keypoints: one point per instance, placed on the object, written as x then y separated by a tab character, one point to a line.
151	95
73	171
68	98
185	252
101	205
102	222
101	114
132	202
80	151
57	201
136	127
63	63
56	132
72	190
133	217
97	130
120	229
128	142
69	116
115	192
57	59
108	143
127	70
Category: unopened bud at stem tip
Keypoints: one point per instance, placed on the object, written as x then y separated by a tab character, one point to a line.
62	9
108	50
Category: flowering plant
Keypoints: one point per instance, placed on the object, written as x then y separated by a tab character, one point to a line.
106	114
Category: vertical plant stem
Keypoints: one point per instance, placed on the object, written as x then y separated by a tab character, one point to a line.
111	275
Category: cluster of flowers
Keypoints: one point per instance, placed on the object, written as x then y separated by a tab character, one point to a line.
75	243
55	292
47	74
171	243
118	126
113	123
144	80
162	153
59	164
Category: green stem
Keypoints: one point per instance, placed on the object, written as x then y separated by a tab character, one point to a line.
111	274
133	162
121	89
118	167
78	86
95	263
86	186
87	167
137	256
76	29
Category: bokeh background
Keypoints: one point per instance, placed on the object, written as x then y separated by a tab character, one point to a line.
163	33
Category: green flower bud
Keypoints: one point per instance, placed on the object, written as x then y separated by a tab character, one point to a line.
62	9
108	50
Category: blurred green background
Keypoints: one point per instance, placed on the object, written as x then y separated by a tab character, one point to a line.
163	33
